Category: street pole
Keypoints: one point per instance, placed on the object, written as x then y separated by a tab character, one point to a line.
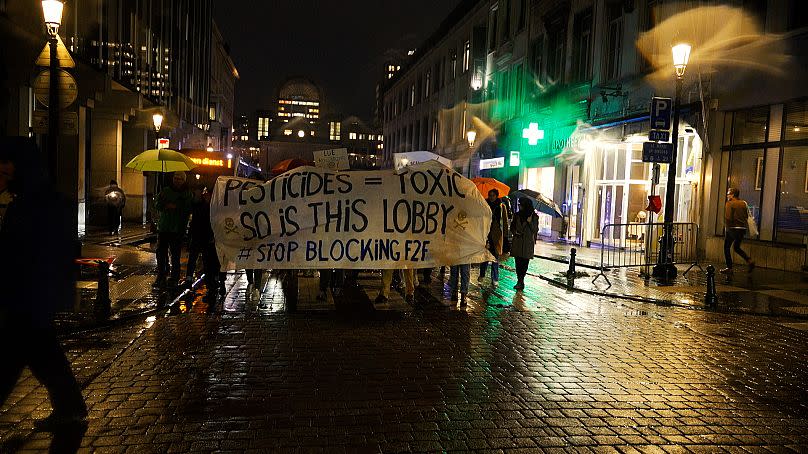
665	269
53	110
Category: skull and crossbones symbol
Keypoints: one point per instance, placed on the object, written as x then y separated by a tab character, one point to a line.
230	226
461	221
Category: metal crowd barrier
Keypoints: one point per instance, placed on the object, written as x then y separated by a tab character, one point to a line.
637	245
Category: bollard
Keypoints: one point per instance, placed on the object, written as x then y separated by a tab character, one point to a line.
711	298
102	305
571	269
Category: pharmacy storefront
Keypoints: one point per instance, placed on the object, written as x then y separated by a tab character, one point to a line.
611	183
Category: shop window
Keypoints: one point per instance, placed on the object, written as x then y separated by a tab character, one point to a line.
796	120
792	216
750	126
746	174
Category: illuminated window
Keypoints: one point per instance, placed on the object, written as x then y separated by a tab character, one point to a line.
352	136
212	112
361	137
263	127
466	56
287	132
334	130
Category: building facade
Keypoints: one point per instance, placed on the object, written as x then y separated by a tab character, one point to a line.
558	94
132	59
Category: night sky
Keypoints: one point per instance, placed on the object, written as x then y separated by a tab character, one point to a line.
340	45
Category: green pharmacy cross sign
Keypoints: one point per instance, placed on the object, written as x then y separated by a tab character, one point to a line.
533	134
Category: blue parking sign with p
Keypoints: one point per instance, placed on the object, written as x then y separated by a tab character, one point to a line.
661	113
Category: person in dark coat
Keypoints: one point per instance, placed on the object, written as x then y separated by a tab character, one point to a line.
115	200
174	203
203	243
38	243
524	227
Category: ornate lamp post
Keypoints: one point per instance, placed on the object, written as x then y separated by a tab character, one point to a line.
157	121
52	12
665	269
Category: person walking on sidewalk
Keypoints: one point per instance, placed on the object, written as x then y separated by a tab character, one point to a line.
524	227
38	241
736	222
497	235
115	199
174	203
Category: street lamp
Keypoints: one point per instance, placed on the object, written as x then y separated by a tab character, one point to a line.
665	269
52	13
471	136
157	119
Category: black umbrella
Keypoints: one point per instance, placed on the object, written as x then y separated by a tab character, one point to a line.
540	203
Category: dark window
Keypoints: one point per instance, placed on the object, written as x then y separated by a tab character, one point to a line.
614	41
649	19
556	42
797	14
520	21
582	50
796	121
506	21
492	30
536	57
750	126
454	63
758	9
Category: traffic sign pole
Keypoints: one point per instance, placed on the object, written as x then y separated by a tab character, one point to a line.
665	269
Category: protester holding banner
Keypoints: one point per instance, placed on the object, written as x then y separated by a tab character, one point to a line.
174	203
524	227
461	271
496	236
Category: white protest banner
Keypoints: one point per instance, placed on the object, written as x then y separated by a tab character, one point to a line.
309	217
336	159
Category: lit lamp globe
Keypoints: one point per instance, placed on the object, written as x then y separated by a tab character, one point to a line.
471	136
52	11
157	119
301	134
681	55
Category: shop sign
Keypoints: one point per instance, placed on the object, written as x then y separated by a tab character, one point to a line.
162	144
495	163
661	113
514	161
657	152
659	136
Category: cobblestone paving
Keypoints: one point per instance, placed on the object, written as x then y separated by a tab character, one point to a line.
543	370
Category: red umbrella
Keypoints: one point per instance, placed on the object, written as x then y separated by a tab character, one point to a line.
288	164
486	184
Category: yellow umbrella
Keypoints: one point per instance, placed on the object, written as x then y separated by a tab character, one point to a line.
164	160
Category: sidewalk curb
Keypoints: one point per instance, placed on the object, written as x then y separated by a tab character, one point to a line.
134	316
635	298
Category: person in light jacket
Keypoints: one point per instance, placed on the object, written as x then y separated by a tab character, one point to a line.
524	227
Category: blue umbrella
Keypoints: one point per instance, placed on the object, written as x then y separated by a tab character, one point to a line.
540	203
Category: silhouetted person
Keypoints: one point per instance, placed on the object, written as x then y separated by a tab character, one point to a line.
174	203
37	226
202	243
115	200
524	227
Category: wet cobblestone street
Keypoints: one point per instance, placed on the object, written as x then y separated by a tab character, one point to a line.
543	370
